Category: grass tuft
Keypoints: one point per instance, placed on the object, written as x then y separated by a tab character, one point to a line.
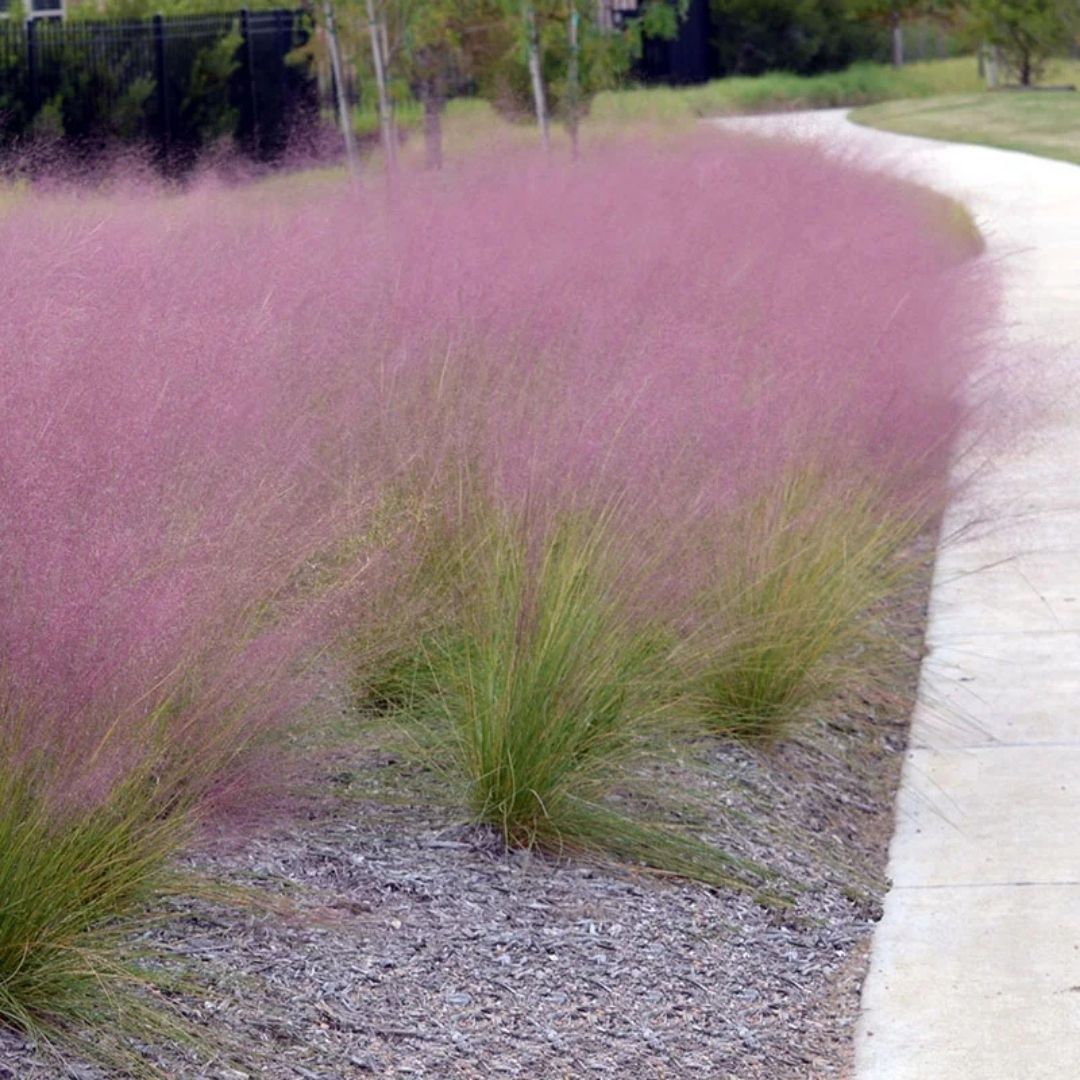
540	689
546	689
809	562
76	882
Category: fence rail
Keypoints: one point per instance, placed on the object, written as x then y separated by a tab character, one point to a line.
177	83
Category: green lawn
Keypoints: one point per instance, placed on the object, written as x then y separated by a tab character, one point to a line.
940	99
1045	122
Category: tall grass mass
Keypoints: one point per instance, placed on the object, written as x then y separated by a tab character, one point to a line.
543	459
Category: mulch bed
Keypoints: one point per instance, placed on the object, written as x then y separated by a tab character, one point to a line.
415	946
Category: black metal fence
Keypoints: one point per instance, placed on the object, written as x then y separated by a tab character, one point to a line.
177	84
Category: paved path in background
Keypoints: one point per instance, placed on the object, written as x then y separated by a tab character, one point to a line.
975	969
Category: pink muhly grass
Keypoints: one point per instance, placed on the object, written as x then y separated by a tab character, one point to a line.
233	422
201	394
161	487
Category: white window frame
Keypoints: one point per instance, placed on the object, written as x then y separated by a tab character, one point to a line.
54	13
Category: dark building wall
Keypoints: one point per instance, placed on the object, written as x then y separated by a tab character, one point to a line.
690	58
719	39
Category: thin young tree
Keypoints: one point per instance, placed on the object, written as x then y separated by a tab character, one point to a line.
434	58
573	76
344	115
600	53
380	62
1026	33
438	47
536	70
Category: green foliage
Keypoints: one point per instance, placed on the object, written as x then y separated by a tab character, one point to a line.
433	37
1027	32
539	690
800	36
97	86
143	9
605	60
12	77
804	565
892	12
661	20
92	100
75	882
859	84
206	108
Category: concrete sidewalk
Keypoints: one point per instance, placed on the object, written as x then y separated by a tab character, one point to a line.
975	970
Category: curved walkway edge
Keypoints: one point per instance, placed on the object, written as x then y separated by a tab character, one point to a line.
975	966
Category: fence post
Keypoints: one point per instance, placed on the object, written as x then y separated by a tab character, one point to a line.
32	65
249	72
162	86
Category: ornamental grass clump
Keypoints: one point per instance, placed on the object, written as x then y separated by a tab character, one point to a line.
697	336
75	882
166	513
800	572
547	687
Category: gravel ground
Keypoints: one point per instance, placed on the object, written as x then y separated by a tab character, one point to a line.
415	947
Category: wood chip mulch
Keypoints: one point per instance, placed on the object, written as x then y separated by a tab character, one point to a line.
415	947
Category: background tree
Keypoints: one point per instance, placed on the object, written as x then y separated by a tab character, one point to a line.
894	15
439	48
802	36
1026	33
434	59
573	74
340	97
379	44
583	50
544	57
534	59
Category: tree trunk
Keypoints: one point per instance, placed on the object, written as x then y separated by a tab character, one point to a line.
532	45
897	40
344	117
386	122
385	39
573	81
434	104
1025	68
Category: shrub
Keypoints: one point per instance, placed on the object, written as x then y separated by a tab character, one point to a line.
88	85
